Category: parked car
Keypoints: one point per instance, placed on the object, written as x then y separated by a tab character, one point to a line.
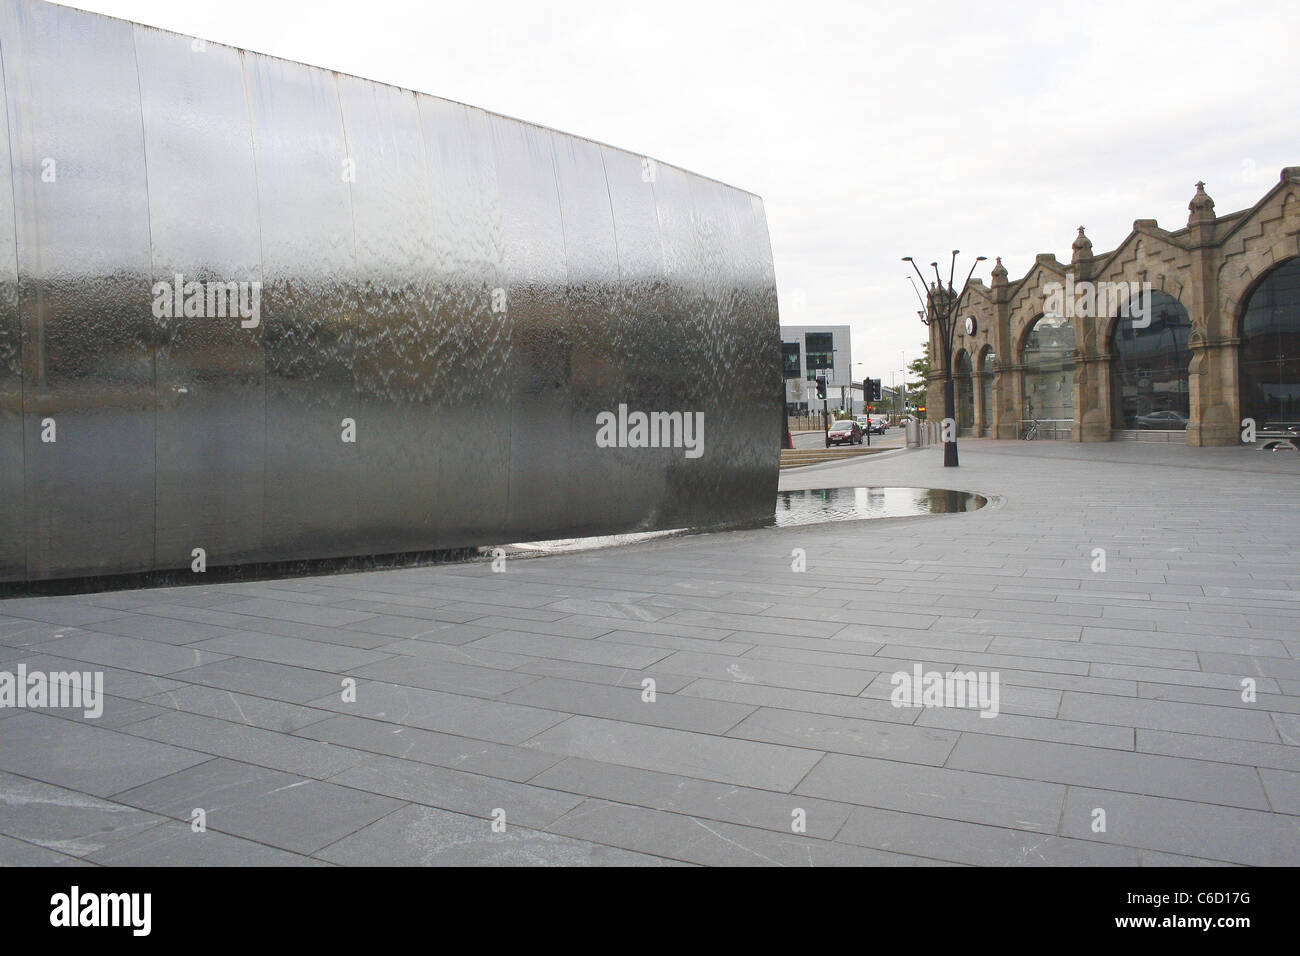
1281	427
1167	420
845	432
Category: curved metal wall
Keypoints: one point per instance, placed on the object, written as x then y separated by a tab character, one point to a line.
469	290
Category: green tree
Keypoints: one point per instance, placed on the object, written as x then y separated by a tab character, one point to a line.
919	370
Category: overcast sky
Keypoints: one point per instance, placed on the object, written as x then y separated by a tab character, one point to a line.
871	130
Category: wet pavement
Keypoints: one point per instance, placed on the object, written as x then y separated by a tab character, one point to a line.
722	698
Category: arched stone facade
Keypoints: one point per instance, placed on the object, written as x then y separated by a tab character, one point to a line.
986	395
1210	267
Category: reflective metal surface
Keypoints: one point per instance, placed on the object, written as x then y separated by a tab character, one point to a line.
81	214
13	550
458	293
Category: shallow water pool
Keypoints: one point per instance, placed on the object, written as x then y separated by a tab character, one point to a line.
816	505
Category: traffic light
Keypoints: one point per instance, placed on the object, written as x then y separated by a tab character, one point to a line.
875	389
821	386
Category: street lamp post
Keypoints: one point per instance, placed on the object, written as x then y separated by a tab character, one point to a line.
826	391
940	313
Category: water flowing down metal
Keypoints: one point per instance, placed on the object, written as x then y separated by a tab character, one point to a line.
271	312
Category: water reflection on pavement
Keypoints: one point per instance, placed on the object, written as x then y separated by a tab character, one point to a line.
815	505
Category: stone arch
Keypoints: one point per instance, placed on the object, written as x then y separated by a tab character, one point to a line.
1159	283
1268	355
986	374
959	355
1150	365
1240	276
1018	346
1248	289
1028	304
1291	206
1046	355
963	375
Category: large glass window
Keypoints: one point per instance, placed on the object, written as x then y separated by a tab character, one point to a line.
818	350
965	391
988	368
1270	349
1048	357
790	359
1149	372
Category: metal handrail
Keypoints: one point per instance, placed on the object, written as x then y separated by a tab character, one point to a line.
1048	427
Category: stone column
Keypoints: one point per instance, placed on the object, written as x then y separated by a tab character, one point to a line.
1012	380
1091	376
1006	381
1214	393
934	393
1214	402
1092	411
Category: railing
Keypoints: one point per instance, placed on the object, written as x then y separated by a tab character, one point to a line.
1048	428
810	423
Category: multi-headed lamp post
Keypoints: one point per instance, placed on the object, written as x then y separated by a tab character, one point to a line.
940	311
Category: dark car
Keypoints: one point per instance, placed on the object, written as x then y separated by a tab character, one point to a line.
1167	420
1287	429
845	432
1276	435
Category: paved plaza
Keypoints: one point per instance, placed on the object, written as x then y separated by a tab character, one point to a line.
459	715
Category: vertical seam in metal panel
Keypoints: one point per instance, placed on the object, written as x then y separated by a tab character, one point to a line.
559	204
613	224
153	345
37	557
18	314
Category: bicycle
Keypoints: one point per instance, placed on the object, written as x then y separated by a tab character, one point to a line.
1031	431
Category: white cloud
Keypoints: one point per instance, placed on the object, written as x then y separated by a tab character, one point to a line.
871	132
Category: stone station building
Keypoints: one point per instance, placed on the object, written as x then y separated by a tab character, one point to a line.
1211	337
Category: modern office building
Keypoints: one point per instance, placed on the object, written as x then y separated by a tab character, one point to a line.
1176	335
811	350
